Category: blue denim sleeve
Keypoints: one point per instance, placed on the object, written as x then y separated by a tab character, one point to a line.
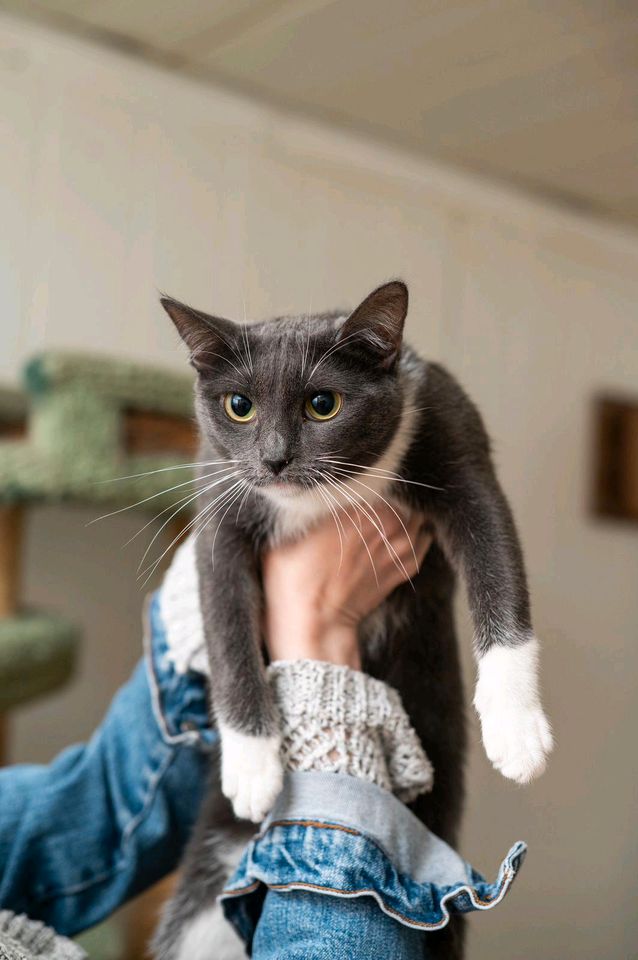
108	818
338	862
302	925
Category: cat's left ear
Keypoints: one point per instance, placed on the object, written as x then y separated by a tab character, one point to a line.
206	337
377	323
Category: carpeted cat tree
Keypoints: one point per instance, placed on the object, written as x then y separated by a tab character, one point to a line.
79	423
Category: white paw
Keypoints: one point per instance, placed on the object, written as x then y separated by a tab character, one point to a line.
517	741
252	773
516	734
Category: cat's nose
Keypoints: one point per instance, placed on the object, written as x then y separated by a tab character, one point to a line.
275	465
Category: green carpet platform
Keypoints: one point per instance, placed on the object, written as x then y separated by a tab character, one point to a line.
90	420
79	425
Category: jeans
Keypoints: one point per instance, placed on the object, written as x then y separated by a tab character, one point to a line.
338	865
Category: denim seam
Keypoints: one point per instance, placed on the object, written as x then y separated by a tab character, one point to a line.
190	737
128	831
479	904
322	825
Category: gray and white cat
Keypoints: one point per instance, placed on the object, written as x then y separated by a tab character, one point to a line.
308	415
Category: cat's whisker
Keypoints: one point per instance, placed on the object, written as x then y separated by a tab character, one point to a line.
183	506
358	500
391	479
181	500
220	501
335	517
394	556
394	511
150	570
380	472
359	530
211	509
176	466
208	512
152	567
154	496
222	518
251	487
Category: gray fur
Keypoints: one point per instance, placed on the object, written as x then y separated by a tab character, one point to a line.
411	642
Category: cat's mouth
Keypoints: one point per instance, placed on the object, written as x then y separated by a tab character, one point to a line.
282	483
286	486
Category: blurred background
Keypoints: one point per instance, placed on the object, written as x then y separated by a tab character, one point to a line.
270	156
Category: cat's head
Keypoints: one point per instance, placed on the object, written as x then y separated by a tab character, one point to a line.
296	400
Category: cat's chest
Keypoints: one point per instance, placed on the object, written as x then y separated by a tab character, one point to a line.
290	517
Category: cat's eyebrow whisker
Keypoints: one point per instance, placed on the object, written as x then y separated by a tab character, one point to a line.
211	353
305	350
176	466
235	351
359	530
333	349
154	496
249	355
189	500
380	472
248	360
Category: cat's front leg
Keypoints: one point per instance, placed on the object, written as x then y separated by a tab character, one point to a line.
245	713
516	733
252	774
477	529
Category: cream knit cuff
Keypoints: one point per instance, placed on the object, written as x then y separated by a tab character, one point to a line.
339	720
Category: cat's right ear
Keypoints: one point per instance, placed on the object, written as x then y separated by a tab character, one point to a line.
205	336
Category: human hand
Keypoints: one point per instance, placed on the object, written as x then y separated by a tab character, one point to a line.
319	588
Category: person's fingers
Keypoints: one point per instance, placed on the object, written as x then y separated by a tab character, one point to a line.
403	558
378	538
423	542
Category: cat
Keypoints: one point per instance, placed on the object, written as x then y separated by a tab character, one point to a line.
310	414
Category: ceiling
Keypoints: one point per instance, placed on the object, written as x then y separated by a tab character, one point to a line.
540	93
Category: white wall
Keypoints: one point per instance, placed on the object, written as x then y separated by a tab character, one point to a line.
117	180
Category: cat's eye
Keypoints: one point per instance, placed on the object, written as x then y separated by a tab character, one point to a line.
239	408
323	405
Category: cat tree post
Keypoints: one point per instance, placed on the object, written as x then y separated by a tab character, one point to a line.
11	518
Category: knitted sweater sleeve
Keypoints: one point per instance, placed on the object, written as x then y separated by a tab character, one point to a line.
339	720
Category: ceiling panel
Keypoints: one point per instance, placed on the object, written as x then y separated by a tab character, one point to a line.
542	94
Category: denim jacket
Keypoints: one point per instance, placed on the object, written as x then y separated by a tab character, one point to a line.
110	817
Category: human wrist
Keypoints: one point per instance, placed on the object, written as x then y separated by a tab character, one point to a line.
308	635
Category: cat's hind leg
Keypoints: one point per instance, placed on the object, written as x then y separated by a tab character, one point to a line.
193	926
